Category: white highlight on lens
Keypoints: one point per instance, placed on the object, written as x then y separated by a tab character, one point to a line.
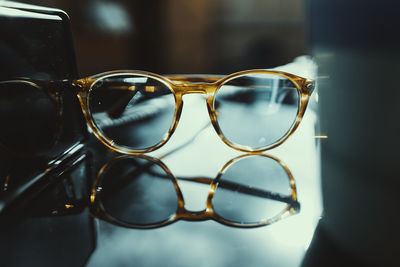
136	80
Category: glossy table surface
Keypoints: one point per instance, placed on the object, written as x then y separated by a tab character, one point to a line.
198	151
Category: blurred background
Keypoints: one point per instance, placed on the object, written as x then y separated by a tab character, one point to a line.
355	44
179	36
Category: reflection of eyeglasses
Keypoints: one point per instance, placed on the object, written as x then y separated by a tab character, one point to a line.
137	112
141	192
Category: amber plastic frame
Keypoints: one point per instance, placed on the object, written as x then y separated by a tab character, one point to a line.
182	213
186	84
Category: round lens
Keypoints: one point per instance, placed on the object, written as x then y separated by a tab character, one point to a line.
252	190
137	191
134	111
28	118
256	110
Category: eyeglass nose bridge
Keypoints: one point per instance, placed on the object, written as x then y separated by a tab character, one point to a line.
196	88
189	215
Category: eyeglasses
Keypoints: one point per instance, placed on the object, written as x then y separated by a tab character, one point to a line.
251	190
137	112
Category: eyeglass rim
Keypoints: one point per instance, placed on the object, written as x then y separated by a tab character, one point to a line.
86	85
181	213
304	88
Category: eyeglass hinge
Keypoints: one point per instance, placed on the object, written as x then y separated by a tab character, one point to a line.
80	84
309	86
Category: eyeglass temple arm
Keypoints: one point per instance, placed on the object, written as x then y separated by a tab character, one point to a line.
243	189
309	86
118	107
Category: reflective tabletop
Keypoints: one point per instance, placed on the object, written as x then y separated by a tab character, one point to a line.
194	152
193	202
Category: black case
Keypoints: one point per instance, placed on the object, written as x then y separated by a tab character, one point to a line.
44	169
36	43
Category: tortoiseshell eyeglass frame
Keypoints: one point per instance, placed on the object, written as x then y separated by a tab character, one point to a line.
292	205
191	84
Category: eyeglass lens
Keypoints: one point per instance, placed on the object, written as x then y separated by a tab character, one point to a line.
246	188
138	191
256	110
133	111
